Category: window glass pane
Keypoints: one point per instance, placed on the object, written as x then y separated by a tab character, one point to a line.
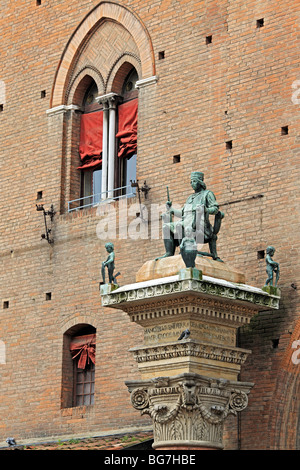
79	400
91	94
86	400
79	376
87	176
129	173
97	185
130	81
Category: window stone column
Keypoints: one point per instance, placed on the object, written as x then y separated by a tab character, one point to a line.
111	147
105	150
109	103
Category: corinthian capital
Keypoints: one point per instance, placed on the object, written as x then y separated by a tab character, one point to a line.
189	409
109	100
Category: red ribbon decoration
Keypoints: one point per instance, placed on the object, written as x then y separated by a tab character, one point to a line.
84	347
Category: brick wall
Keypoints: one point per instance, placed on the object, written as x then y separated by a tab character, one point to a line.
236	88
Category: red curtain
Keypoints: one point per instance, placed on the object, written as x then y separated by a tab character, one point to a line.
83	347
90	146
127	128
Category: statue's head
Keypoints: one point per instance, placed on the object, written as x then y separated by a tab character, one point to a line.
197	179
109	247
188	231
270	250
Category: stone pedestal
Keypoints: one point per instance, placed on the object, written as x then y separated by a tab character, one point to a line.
189	386
171	265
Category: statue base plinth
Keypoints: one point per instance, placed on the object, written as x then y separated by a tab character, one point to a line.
171	265
107	288
272	290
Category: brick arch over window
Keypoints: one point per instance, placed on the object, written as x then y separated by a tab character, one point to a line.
104	11
81	82
119	72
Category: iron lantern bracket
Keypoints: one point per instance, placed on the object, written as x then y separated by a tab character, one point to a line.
50	213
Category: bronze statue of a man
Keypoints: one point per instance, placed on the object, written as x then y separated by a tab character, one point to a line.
195	214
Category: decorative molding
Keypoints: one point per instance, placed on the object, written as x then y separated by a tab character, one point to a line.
63	109
146	81
144	293
190	348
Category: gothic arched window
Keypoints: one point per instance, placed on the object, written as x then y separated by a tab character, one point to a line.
90	148
127	133
108	141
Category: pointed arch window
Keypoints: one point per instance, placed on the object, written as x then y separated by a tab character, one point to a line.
108	143
90	148
127	132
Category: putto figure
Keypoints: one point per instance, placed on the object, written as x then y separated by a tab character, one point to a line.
272	267
188	248
195	214
109	263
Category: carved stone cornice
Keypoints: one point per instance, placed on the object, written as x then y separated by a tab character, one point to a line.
190	348
190	355
235	302
189	409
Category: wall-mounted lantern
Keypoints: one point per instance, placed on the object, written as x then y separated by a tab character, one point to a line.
50	213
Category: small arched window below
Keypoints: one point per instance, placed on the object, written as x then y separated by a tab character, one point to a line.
78	381
83	348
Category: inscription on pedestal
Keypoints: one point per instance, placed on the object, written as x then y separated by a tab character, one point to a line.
208	332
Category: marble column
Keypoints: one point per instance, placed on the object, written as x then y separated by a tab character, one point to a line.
109	103
111	147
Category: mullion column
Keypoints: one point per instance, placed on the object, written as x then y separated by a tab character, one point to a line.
109	103
105	150
111	147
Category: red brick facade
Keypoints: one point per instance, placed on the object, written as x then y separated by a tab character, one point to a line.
211	73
